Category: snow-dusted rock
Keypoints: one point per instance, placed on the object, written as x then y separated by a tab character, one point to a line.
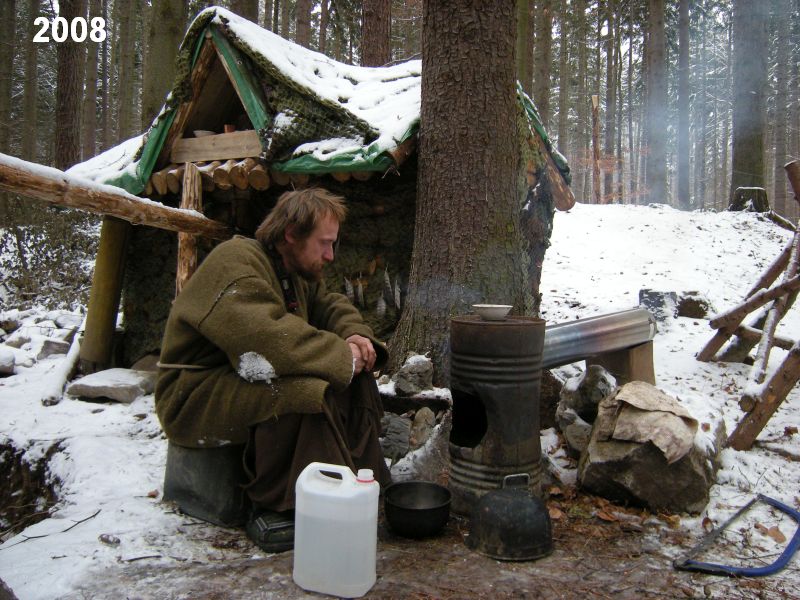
397	429
52	347
69	321
414	376
582	394
6	362
122	385
17	339
694	305
421	428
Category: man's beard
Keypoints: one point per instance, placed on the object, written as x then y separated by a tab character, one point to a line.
309	275
312	274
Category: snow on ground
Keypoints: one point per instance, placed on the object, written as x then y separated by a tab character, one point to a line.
109	458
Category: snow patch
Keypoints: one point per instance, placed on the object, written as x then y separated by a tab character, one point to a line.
254	367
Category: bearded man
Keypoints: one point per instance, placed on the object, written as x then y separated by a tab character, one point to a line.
256	351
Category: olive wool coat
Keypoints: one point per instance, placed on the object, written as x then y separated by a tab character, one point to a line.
233	356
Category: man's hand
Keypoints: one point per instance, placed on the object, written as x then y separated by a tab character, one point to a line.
364	355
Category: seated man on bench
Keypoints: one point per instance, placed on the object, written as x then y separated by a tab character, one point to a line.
257	351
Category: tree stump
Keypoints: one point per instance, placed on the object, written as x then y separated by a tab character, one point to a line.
753	199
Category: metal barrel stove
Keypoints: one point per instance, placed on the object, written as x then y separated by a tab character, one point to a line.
495	378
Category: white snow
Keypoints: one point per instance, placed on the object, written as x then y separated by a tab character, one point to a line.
110	457
254	367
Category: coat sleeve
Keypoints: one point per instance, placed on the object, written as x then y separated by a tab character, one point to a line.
248	316
334	312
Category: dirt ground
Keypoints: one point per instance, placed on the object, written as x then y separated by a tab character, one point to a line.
600	551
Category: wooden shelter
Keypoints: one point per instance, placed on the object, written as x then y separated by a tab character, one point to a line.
251	116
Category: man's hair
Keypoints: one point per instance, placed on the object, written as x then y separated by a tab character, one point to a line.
303	209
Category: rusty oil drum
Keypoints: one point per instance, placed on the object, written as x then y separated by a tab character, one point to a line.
495	378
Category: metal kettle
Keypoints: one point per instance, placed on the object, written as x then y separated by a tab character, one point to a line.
510	524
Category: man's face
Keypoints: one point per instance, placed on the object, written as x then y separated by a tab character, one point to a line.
308	257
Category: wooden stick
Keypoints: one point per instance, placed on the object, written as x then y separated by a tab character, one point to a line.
54	186
192	199
222	174
754	335
239	173
765	405
175	178
258	178
206	174
159	179
735	315
776	312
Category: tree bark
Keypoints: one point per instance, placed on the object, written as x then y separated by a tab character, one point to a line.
524	56
543	53
302	15
563	81
245	8
782	115
285	28
750	49
468	248
656	117
89	112
324	14
376	33
8	14
30	94
105	96
684	198
582	152
611	108
164	35
69	93
125	70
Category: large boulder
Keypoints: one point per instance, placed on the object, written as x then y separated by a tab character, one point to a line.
642	451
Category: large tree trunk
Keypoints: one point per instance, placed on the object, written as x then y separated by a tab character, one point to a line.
524	44
750	49
563	80
700	112
324	15
656	117
89	120
684	198
543	53
245	8
125	70
611	108
8	14
302	15
163	38
582	154
30	94
105	92
783	10
468	245
376	33
69	93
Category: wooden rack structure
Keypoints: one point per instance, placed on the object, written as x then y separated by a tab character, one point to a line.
763	395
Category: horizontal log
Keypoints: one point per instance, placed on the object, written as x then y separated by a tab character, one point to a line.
279	177
56	187
754	335
159	180
175	178
736	314
258	177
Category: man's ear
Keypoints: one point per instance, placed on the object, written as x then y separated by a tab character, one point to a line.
288	234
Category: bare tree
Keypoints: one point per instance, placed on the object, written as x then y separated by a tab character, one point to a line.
30	95
656	108
783	9
684	198
543	53
8	14
164	35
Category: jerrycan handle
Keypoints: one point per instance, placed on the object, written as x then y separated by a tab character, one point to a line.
318	470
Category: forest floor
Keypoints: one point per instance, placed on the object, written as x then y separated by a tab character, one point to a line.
622	554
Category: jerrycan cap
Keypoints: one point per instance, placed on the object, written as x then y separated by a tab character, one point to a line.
365	476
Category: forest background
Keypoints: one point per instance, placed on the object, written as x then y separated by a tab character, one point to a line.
668	77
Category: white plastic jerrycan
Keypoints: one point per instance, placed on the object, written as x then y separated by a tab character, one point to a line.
335	530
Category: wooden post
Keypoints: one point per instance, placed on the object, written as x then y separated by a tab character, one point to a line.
764	406
596	148
191	199
101	317
628	364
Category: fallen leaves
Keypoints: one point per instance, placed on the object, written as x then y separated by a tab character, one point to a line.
773	532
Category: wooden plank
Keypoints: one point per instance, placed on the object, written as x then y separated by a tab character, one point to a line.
54	186
629	364
239	144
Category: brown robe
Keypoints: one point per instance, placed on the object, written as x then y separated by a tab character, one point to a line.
232	310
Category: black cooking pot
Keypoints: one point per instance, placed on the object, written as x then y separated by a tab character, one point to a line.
510	524
416	509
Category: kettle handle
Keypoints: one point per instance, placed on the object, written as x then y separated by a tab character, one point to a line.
511	480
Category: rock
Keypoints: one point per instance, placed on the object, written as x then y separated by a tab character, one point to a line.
430	462
414	376
122	385
395	441
576	435
6	362
642	451
663	305
583	393
694	305
17	340
69	321
421	428
51	347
